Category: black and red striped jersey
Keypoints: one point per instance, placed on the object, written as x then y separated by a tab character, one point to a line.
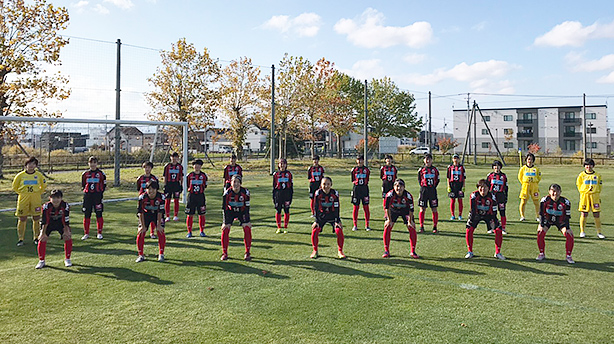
197	182
483	205
173	173
55	216
399	203
151	206
315	173
498	182
360	175
388	173
236	201
456	173
428	176
554	212
282	180
327	204
230	171
93	181
141	182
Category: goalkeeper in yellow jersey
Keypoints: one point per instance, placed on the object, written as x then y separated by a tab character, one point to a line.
529	177
29	185
589	185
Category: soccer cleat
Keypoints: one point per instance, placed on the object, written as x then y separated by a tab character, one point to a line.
537	219
600	236
278	231
499	256
503	231
521	218
340	254
160	257
354	229
582	234
540	257
40	265
368	229
175	218
569	260
386	254
140	259
421	229
452	218
189	235
35	242
202	234
247	256
224	256
167	219
20	243
460	218
435	231
312	216
314	254
99	236
469	255
285	231
414	255
85	237
490	231
153	236
67	263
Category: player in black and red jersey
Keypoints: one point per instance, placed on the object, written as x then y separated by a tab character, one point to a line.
141	186
388	175
554	210
196	184
499	188
235	205
428	179
94	183
173	185
150	210
456	185
55	218
398	202
360	192
327	211
483	208
314	174
283	191
231	170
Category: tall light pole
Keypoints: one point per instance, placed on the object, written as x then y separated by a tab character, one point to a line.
590	140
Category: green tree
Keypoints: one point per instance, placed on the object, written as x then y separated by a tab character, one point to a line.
30	43
241	90
185	89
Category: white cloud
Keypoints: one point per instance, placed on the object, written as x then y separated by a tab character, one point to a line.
479	26
464	72
573	33
304	25
366	69
123	4
80	4
608	79
369	32
414	58
101	9
490	86
578	64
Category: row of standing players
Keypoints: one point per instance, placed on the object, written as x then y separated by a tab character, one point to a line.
398	202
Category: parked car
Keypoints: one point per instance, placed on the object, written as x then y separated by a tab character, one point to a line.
420	150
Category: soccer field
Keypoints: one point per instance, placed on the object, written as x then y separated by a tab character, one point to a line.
282	296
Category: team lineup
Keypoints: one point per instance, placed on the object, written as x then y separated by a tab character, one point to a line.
487	203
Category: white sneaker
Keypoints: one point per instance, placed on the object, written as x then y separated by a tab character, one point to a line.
354	229
541	257
499	256
368	229
582	234
469	255
460	218
504	232
175	218
600	236
569	260
537	219
67	263
522	218
140	259
99	236
85	237
160	257
41	264
490	231
452	218
167	219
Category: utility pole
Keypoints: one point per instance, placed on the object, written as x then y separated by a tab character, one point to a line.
272	148
430	139
590	131
365	133
584	122
117	113
468	122
475	138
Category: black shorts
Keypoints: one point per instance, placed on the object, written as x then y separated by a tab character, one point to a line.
559	226
386	187
149	218
92	201
313	187
360	193
501	200
172	190
456	190
321	222
230	216
491	221
196	204
394	215
52	227
282	199
428	197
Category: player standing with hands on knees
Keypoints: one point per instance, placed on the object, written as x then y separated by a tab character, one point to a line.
55	218
235	205
141	186
399	203
554	209
327	211
483	208
151	211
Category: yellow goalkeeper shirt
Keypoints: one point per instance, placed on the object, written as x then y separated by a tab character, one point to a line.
26	183
529	175
589	183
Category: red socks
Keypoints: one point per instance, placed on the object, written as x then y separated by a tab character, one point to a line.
355	215
340	238
541	241
460	207
452	206
167	207
314	238
42	249
189	222
435	218
469	238
153	228
387	233
99	223
568	243
86	225
161	241
278	220
176	202
312	203
286	219
201	223
140	242
413	238
367	214
247	238
421	218
225	239
67	248
498	239
503	222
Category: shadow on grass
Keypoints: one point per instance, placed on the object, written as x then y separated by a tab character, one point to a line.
605	266
117	273
499	264
227	266
418	264
323	266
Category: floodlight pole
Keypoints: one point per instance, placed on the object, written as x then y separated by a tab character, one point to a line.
272	148
365	132
117	113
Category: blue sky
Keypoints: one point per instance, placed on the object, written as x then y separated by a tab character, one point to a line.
520	48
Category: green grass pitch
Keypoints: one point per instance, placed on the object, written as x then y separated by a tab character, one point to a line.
282	296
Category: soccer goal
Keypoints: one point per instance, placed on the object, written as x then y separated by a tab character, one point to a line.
63	145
